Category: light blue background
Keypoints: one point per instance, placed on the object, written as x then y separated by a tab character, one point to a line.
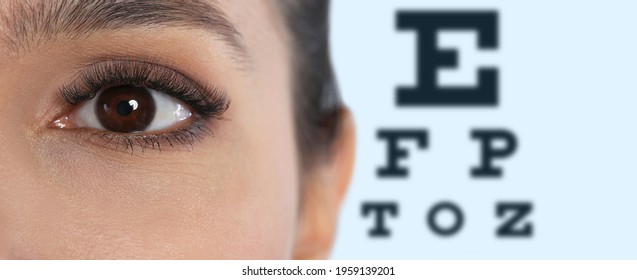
568	91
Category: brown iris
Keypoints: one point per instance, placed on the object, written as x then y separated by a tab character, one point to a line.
125	108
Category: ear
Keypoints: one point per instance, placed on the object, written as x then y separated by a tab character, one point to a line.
323	193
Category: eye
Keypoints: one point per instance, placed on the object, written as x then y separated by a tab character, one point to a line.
140	105
131	109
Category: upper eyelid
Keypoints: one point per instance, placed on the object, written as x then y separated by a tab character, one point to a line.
210	101
82	71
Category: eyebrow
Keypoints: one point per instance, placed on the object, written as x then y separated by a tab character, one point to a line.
30	24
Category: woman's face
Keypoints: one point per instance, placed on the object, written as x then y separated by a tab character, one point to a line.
118	140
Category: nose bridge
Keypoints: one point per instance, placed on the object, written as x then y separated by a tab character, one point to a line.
6	204
4	234
20	191
7	173
19	181
23	175
11	181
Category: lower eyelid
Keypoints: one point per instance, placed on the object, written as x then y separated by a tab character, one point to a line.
181	139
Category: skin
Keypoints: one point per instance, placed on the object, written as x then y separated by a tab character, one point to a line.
238	195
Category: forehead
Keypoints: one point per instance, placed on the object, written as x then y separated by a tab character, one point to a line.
31	23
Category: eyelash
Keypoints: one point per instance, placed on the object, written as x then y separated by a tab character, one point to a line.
207	102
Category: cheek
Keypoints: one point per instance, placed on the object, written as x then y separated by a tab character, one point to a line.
265	178
234	196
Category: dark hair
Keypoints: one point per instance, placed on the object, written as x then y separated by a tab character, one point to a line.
316	96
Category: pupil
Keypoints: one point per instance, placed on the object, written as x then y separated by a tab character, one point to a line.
125	109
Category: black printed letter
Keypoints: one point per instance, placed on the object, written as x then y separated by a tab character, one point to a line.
430	59
457	223
489	152
509	228
394	152
379	229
